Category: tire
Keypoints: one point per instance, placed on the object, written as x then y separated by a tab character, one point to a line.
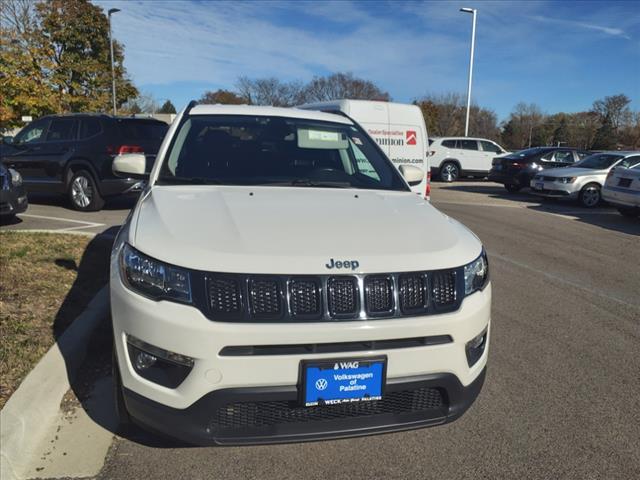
590	195
122	415
629	212
449	172
512	188
83	192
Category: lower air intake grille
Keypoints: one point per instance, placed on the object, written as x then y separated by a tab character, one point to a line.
378	294
305	297
271	413
343	296
265	297
444	288
224	295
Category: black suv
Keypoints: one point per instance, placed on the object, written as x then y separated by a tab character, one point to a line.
516	170
72	155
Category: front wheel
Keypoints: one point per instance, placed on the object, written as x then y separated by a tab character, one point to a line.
512	188
590	195
83	192
449	172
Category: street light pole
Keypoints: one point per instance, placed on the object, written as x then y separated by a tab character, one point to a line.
113	71
473	44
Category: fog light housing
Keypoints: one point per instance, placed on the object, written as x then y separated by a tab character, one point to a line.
475	348
157	365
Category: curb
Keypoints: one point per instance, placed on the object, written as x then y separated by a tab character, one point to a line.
32	410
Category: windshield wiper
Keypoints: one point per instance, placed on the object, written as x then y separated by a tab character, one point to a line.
312	183
190	180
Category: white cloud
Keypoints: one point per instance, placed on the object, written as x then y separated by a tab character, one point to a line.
615	32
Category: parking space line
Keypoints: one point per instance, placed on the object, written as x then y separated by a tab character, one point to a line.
69	220
528	207
560	279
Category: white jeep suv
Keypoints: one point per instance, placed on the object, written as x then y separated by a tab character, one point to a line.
455	157
278	281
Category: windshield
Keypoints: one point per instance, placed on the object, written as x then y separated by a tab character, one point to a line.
256	150
528	152
599	161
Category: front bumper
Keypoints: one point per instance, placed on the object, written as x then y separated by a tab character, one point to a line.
554	189
13	201
220	389
272	414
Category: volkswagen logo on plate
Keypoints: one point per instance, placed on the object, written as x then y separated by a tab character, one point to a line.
321	384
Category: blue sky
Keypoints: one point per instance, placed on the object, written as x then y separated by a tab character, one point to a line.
560	55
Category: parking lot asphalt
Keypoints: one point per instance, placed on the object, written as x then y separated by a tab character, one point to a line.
562	394
51	212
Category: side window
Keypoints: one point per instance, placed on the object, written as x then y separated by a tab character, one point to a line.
449	143
468	144
629	161
62	129
563	156
582	155
32	133
89	127
490	147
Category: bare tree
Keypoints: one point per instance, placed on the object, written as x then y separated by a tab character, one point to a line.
270	91
342	85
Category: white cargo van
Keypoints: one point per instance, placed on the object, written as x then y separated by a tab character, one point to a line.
398	128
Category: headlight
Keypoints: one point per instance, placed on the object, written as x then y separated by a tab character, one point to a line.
535	166
567	179
152	278
16	178
476	274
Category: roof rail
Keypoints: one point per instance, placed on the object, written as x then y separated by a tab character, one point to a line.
192	104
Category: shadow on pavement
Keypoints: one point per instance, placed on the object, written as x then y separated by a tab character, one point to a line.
92	387
603	216
7	221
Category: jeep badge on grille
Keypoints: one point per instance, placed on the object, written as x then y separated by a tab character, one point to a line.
352	264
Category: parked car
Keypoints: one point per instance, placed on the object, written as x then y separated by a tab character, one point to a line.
516	170
13	198
72	155
398	129
583	181
622	189
256	295
455	157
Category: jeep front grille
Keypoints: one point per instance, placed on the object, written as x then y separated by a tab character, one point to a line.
444	288
343	296
304	297
284	298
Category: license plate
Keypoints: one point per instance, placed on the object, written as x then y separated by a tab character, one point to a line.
539	186
329	382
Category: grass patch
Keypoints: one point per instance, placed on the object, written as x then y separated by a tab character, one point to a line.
46	281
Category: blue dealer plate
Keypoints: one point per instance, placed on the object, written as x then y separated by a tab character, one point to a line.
329	382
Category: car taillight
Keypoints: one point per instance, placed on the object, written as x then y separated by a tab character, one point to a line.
519	165
427	193
120	149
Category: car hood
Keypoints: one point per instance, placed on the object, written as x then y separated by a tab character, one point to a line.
572	172
297	230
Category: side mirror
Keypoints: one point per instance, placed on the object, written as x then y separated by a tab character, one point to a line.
132	165
413	175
